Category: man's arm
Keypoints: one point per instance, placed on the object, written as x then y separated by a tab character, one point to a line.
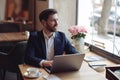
46	63
30	57
69	49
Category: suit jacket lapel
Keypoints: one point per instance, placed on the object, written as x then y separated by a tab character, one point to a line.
57	42
41	41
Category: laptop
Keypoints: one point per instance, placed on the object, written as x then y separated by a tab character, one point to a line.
65	63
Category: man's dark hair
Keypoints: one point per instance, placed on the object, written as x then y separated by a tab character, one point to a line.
46	13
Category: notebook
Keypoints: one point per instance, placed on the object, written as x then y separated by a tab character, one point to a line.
93	58
64	63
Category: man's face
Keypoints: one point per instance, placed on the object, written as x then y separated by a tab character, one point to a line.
52	23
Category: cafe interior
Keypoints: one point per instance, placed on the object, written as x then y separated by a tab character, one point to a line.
20	17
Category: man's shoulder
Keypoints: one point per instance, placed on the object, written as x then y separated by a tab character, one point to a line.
35	33
60	33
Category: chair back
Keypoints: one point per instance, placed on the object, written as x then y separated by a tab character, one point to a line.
9	27
18	52
9	62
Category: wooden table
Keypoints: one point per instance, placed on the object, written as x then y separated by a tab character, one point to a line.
108	62
85	73
13	37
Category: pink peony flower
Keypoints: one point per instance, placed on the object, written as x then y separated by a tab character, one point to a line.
77	31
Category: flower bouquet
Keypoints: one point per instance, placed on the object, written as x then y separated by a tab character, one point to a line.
78	36
77	31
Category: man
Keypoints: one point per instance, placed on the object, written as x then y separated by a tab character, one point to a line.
45	44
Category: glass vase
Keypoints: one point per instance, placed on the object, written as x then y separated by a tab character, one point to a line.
79	44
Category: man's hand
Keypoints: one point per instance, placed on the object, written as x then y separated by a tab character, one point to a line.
47	63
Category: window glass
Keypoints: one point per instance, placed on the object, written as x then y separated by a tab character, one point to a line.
102	19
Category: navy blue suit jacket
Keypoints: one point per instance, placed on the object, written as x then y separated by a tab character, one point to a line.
36	48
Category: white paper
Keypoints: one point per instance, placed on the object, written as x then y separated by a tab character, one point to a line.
51	77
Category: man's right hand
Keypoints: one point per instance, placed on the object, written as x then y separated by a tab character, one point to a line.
47	63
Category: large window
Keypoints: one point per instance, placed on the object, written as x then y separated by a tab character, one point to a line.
102	19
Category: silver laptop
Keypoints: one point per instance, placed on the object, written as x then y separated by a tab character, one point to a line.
64	63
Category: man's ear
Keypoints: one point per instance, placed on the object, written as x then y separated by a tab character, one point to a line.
43	22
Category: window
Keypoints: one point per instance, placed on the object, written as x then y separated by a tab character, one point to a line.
102	19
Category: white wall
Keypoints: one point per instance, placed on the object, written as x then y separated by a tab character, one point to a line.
2	9
67	14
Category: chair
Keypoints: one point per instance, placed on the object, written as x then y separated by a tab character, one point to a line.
9	27
6	46
5	28
9	62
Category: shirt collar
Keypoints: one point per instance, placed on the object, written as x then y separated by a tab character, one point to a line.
45	35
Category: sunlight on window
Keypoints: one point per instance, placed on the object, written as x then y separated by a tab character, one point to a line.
99	17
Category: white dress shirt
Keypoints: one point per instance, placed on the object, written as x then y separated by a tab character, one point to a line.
49	42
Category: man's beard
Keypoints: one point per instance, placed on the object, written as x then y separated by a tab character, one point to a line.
51	29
